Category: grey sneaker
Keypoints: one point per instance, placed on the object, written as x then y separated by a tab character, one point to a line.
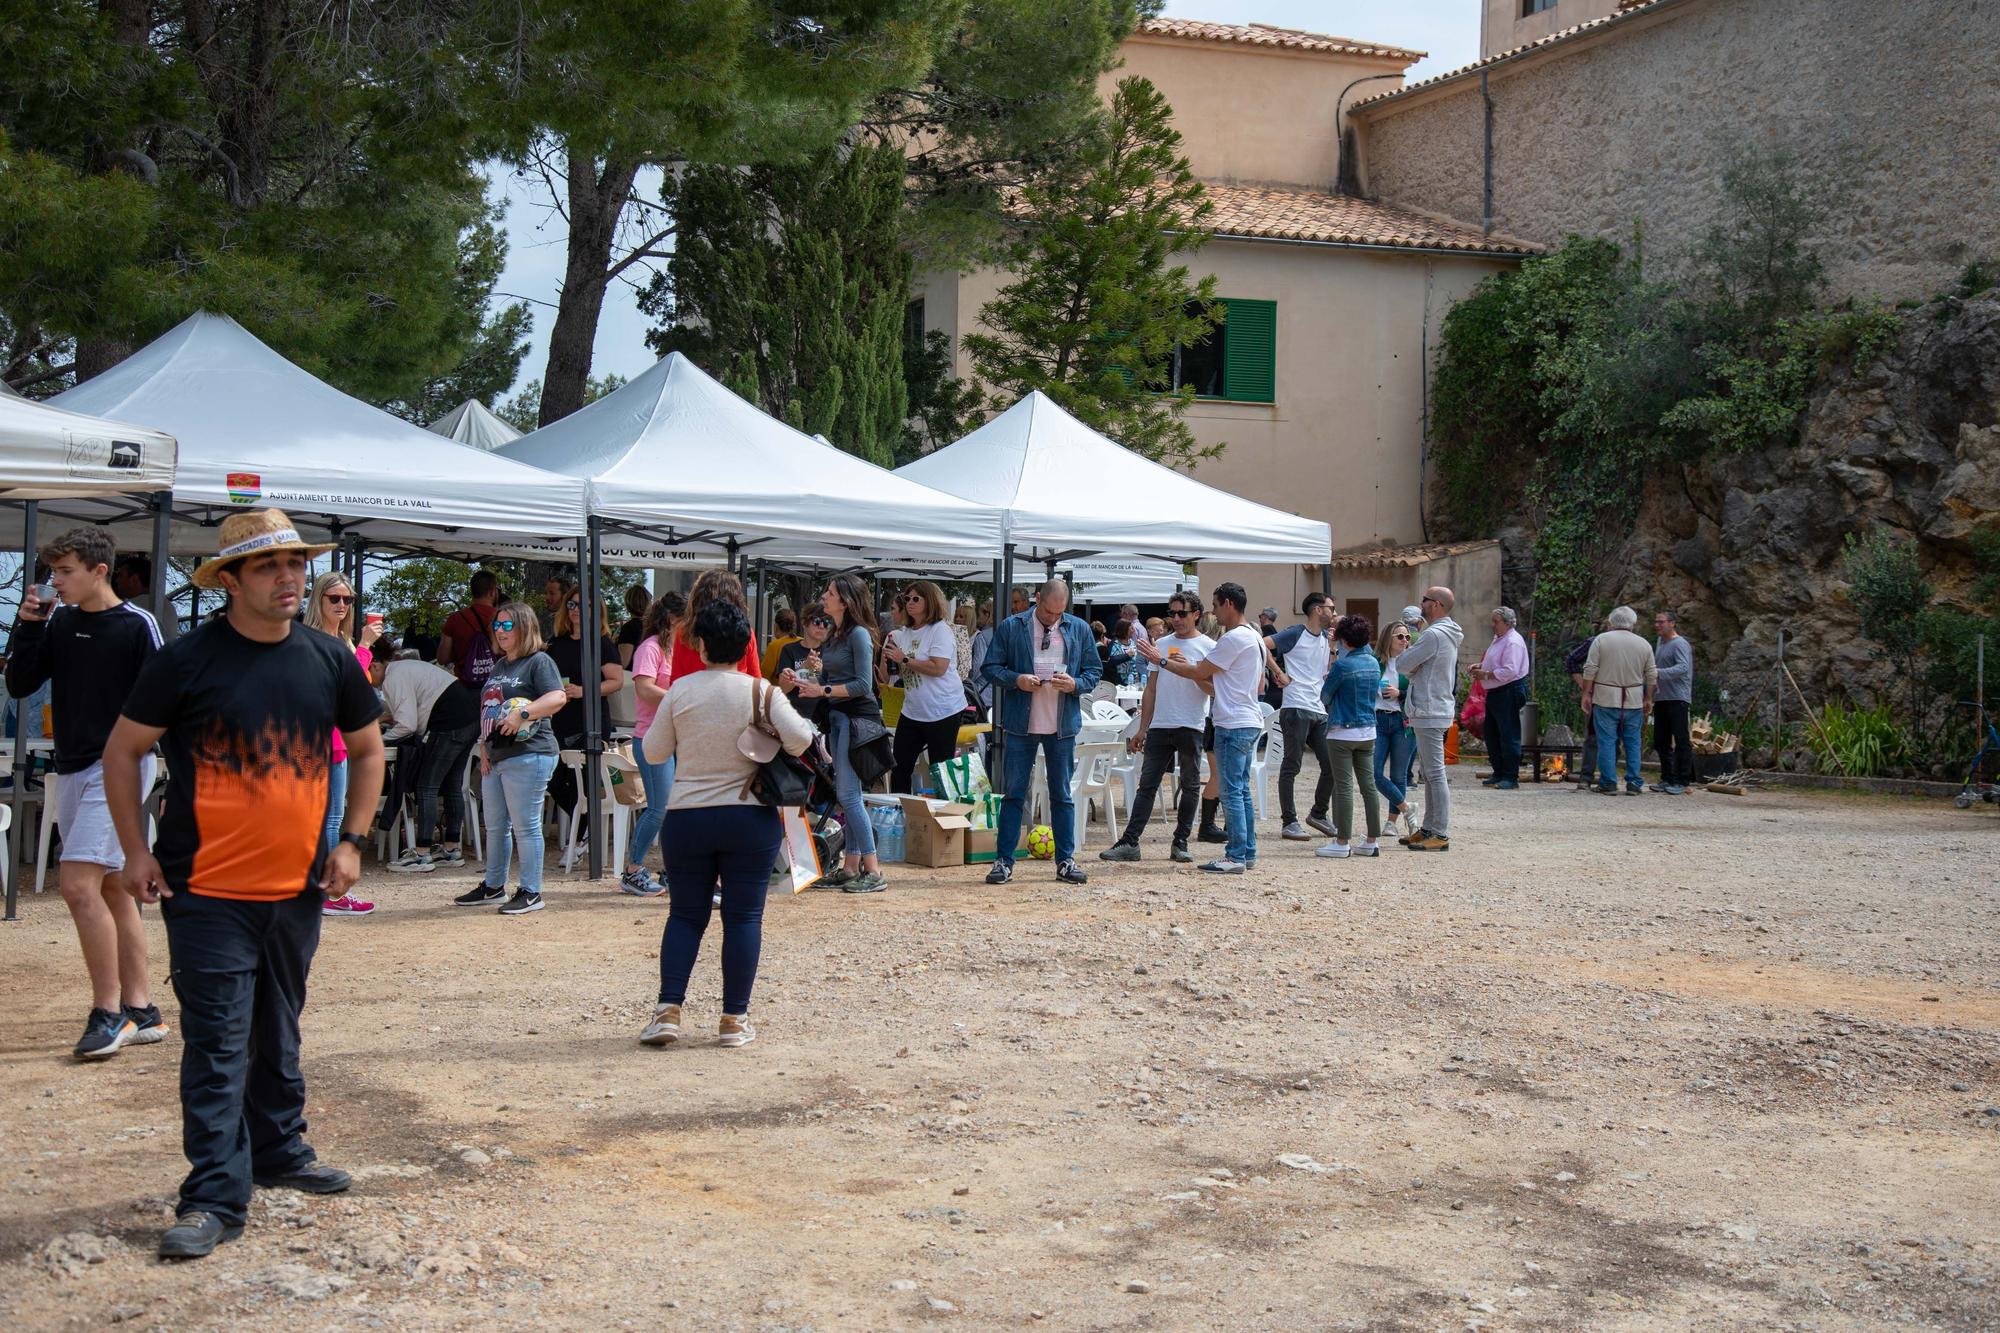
449	858
1223	866
1180	852
1296	832
412	862
1001	873
640	884
1120	851
1323	824
868	881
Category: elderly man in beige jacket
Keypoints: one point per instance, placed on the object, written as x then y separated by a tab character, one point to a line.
1618	680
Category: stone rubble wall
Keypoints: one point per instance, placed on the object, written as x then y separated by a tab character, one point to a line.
1894	109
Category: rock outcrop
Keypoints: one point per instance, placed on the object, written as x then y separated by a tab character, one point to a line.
1746	544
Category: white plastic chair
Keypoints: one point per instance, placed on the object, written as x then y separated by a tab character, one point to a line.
617	814
472	833
48	827
1272	756
6	823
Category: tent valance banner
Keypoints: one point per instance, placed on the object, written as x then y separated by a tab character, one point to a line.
47	453
256	430
1066	490
677	457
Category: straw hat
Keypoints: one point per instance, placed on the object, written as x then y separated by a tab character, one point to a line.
253	533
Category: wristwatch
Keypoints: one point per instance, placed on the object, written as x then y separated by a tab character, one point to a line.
360	840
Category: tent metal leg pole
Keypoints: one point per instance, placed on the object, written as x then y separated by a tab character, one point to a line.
360	573
163	519
757	620
1003	601
593	698
1326	578
30	512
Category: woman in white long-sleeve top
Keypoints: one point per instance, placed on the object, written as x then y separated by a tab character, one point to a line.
718	837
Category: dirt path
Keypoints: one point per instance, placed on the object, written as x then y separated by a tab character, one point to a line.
1609	1063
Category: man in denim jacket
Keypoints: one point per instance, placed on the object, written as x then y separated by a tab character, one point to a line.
1039	664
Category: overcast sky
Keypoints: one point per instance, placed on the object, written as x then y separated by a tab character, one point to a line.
1447	29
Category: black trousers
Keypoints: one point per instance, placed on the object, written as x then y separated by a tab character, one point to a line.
1163	746
239	970
1302	730
1671	742
913	738
1503	728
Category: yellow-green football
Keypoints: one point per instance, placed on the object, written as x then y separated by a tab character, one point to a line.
1042	842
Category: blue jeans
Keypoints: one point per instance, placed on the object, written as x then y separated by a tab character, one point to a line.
847	788
1395	746
512	795
652	821
1020	765
731	847
336	800
1616	726
1234	748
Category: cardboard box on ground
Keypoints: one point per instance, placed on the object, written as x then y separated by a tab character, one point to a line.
942	833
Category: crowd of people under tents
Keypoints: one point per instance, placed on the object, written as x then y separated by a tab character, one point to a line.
274	718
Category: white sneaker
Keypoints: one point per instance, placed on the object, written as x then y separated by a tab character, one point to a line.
665	1029
1368	848
412	862
1334	851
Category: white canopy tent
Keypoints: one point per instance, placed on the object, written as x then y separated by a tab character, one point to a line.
1066	491
471	423
47	453
676	459
256	430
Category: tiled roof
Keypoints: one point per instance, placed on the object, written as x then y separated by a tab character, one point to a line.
1628	11
1263	34
1405	556
1307	215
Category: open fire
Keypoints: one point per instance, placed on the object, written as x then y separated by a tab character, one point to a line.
1554	768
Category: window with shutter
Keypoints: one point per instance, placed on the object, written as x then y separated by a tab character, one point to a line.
1238	361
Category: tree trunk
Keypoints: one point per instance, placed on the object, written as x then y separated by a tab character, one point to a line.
596	202
94	356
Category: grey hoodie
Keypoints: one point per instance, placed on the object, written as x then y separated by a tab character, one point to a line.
1431	663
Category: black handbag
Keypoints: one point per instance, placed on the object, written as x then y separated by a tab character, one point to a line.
780	780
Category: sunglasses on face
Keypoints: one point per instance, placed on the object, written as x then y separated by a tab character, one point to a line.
503	624
340	598
575	605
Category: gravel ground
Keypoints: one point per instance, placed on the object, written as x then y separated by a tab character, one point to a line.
1705	1062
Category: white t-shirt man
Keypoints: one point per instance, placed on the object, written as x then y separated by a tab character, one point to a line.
1239	659
931	698
1178	702
1305	656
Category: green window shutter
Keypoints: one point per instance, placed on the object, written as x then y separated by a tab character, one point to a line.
1250	351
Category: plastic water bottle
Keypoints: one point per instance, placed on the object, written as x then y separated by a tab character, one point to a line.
894	849
878	825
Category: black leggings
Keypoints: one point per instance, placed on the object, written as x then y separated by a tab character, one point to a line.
913	738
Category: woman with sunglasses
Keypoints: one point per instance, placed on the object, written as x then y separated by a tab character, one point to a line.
933	691
517	752
846	671
1395	743
566	651
330	610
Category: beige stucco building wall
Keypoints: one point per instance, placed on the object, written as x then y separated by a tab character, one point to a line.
1502	27
1344	440
1892	108
1253	115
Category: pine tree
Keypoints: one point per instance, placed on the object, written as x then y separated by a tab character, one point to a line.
790	283
1096	307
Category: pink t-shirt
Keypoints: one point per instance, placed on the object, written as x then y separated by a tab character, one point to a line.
1044	706
367	659
647	660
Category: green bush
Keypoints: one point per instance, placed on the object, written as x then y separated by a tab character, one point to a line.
1858	742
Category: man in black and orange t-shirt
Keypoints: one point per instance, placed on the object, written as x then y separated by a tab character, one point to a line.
246	707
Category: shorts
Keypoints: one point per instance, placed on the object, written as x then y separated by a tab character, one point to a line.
1208	736
84	819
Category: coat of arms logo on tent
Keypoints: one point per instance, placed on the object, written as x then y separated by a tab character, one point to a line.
244	487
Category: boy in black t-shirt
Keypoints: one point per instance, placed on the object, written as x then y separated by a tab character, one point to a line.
247	707
92	646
